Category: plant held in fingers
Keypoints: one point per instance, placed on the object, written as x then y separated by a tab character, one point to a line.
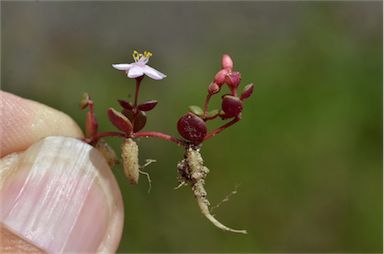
192	126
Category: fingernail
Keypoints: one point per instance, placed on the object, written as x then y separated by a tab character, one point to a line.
61	196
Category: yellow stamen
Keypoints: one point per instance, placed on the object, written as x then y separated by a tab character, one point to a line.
147	54
136	55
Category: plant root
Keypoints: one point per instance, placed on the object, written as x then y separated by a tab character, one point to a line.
226	199
193	171
147	163
181	184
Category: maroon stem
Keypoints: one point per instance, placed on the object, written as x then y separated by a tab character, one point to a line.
221	128
159	135
234	91
206	104
110	134
91	107
138	81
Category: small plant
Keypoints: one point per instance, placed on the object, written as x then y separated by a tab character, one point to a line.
132	118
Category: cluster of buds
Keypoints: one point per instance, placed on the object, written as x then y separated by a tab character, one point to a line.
192	125
132	118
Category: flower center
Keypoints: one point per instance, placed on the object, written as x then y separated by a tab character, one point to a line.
138	56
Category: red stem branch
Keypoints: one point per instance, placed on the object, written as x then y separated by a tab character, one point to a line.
159	135
110	134
221	128
206	103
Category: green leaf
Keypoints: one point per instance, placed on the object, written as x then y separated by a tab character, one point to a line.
212	113
196	110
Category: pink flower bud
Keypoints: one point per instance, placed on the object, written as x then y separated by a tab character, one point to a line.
226	62
247	92
233	79
220	77
213	88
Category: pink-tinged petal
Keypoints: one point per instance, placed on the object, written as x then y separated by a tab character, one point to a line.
135	72
122	67
152	73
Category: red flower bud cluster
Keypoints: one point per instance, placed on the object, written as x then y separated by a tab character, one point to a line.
192	126
226	75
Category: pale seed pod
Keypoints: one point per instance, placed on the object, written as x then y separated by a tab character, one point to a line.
130	156
107	152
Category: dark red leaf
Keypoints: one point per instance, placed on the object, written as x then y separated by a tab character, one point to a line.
129	114
125	104
140	121
120	121
148	105
247	92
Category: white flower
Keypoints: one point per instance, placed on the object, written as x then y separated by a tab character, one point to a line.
140	67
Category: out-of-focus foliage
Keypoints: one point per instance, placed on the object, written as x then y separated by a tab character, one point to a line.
308	153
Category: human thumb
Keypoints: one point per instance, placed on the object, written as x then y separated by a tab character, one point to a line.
61	196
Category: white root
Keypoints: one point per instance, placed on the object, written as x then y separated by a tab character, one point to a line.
181	184
148	178
226	199
193	171
147	163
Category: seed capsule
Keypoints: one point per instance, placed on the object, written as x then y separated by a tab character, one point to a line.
232	106
192	128
130	156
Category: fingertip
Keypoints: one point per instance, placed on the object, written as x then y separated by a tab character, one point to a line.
61	196
24	122
11	243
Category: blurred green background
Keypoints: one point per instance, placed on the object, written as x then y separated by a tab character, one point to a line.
307	155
